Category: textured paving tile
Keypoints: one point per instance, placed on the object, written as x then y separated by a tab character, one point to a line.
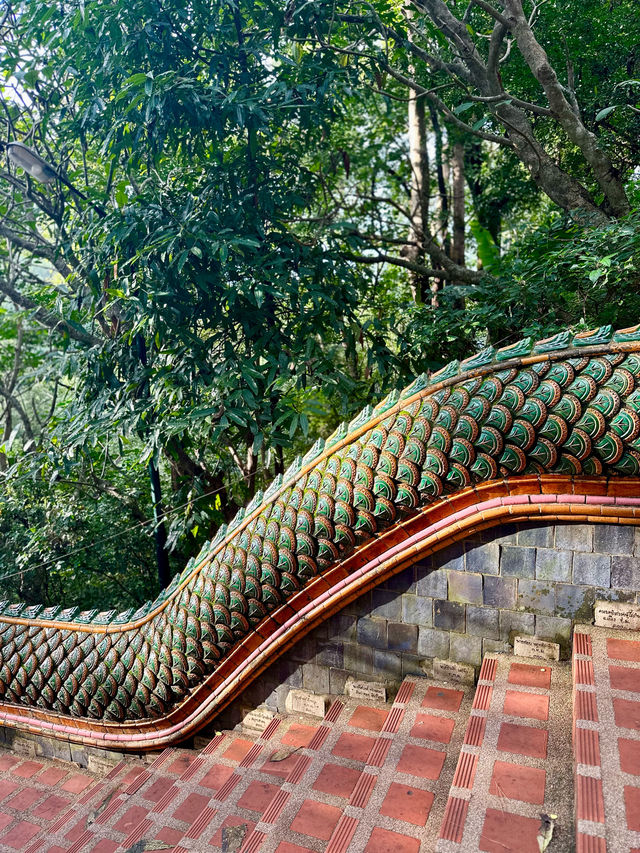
515	761
364	778
607	737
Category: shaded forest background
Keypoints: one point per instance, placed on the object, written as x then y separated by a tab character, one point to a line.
265	215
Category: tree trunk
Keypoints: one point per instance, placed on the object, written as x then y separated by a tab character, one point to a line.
8	426
420	192
536	58
457	169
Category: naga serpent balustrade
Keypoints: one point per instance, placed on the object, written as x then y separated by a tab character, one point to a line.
547	431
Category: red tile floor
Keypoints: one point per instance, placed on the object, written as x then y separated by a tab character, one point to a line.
364	778
441	769
516	750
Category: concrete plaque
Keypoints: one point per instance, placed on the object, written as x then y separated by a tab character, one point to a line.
303	702
368	691
451	670
617	614
532	647
258	719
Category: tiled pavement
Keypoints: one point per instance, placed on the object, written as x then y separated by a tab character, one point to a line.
441	769
364	778
515	761
607	740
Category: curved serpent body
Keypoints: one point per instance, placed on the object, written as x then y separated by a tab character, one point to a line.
569	405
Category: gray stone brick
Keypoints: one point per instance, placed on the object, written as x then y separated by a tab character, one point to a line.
483	622
417	610
593	569
276	699
337	680
625	572
500	592
556	629
254	695
411	665
434	584
512	623
362	604
433	643
574	602
536	596
517	562
372	632
465	588
553	565
426	665
466	649
496	647
321	632
386	604
449	615
287	672
636	547
574	537
387	665
304	650
538	536
315	678
405	581
49	748
342	626
330	654
613	539
358	659
402	638
505	534
424	565
483	558
614	594
450	558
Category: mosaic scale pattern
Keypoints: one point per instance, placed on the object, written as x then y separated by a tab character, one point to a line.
566	405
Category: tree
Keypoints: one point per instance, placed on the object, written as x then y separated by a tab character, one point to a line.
502	77
261	217
196	321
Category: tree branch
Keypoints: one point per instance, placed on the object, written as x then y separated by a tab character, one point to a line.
444	109
498	16
536	58
454	273
46	318
40	249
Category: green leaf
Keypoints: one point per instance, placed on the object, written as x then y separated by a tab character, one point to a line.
605	112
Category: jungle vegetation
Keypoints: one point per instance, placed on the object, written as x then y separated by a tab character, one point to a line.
263	215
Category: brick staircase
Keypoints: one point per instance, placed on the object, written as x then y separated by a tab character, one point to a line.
440	769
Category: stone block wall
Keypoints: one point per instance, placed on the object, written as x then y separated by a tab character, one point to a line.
461	603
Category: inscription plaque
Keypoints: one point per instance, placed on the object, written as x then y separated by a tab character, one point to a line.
258	719
617	614
532	647
368	691
303	702
451	670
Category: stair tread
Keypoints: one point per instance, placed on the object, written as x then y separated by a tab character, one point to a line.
365	776
607	739
442	768
515	761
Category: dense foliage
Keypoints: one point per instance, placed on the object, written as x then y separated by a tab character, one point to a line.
265	215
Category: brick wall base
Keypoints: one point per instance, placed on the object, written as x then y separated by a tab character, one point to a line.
465	601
